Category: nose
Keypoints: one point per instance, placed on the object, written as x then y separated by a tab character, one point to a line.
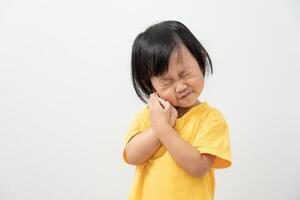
180	87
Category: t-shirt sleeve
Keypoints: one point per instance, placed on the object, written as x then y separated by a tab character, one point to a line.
213	138
139	124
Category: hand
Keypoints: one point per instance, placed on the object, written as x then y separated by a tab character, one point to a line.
173	114
159	116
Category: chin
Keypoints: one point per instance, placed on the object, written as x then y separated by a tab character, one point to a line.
184	104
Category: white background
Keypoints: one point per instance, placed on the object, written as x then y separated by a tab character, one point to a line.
66	98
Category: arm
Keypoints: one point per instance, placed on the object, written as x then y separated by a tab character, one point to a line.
185	155
141	147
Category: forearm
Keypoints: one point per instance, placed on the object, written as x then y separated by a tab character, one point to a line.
141	147
185	155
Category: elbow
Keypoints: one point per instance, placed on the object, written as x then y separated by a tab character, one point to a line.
201	165
197	172
130	159
197	169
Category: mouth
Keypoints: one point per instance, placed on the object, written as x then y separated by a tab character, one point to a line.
185	94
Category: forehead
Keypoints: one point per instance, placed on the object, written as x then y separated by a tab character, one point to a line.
180	61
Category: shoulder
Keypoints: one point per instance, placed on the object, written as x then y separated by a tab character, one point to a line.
211	113
215	120
140	121
143	111
215	113
142	115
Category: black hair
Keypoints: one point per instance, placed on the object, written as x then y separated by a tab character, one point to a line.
151	51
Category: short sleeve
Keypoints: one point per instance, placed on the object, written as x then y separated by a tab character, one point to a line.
139	124
213	138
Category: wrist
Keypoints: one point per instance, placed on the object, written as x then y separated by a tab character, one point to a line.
160	129
153	132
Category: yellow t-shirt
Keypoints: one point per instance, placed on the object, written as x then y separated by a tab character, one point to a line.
205	128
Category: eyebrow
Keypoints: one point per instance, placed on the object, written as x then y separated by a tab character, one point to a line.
180	74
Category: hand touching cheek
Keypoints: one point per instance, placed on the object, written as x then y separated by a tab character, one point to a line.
159	116
173	112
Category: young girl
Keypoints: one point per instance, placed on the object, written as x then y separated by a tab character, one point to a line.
175	141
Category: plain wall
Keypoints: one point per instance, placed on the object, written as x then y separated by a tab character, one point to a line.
66	98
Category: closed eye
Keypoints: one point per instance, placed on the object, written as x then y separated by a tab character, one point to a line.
166	83
185	74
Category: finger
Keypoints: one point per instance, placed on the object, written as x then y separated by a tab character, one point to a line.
159	98
156	102
150	102
162	101
155	99
175	113
168	105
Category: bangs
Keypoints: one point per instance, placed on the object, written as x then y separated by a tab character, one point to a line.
154	52
151	53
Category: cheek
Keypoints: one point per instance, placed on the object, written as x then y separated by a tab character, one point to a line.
172	98
197	84
167	95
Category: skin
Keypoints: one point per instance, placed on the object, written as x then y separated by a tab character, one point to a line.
183	75
165	106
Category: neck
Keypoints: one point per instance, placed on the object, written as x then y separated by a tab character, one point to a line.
182	110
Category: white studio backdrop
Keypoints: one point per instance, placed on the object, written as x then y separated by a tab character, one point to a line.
66	98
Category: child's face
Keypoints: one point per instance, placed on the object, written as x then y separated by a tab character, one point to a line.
183	77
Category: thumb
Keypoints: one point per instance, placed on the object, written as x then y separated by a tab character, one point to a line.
167	106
